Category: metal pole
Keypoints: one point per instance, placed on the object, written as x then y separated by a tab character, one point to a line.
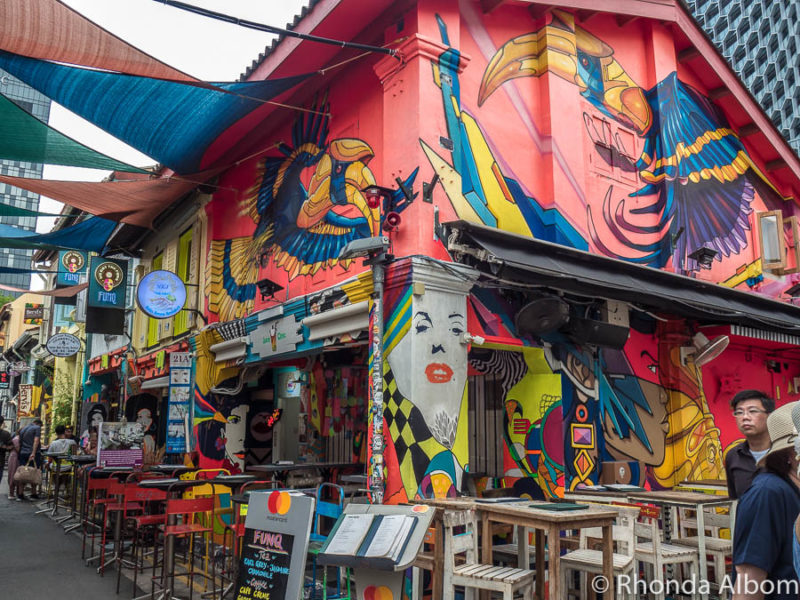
376	478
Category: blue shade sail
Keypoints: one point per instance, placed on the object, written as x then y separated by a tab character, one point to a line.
170	121
90	235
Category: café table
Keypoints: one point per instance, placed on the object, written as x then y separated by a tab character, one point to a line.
545	522
78	461
170	470
174	488
693	500
56	457
281	470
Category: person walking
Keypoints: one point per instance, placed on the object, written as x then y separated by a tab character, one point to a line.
30	441
13	462
750	409
5	445
763	535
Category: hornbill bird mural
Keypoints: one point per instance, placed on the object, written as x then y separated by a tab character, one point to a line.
692	164
302	229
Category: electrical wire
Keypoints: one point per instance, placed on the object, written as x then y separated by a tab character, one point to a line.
272	29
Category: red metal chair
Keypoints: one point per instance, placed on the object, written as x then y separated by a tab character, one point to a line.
148	506
182	516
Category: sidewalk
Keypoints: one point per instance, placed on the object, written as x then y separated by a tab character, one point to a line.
37	560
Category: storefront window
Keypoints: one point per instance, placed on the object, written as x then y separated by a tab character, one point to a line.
183	271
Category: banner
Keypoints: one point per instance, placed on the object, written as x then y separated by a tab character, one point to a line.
108	278
25	400
180	386
71	265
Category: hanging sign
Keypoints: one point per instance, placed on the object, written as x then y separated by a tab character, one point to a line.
34	313
5	380
71	265
180	387
107	282
25	399
63	345
161	294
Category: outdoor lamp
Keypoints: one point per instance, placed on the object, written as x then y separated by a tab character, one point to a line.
374	194
268	288
704	256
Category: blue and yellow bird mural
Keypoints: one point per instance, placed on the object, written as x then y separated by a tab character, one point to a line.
693	165
300	228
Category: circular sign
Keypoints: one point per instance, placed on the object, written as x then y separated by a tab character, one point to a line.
73	261
109	275
161	294
63	345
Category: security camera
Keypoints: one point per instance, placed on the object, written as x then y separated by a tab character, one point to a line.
364	247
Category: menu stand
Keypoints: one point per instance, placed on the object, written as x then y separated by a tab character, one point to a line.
374	574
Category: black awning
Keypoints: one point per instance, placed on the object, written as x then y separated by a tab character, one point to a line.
517	258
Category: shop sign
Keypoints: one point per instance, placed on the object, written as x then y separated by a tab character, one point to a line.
34	313
179	406
107	282
71	265
5	379
161	294
63	345
273	559
25	399
278	336
120	444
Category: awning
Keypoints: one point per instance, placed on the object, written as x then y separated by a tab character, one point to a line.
534	262
155	383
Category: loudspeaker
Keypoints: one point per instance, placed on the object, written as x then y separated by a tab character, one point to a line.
589	331
618	472
541	316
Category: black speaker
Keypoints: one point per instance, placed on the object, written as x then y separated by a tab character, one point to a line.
541	316
589	331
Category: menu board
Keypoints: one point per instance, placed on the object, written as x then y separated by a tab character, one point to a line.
275	544
264	567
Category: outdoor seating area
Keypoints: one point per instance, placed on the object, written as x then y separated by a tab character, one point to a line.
171	531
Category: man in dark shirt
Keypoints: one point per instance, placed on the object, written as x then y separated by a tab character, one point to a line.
5	444
750	408
763	538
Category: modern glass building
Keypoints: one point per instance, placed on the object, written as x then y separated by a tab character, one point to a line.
38	105
760	39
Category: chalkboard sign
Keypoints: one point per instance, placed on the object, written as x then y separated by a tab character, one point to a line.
274	546
264	565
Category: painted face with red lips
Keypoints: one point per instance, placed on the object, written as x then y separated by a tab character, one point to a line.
429	362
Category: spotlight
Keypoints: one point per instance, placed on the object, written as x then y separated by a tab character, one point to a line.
704	256
268	288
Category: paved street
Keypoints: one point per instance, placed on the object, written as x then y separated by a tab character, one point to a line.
38	561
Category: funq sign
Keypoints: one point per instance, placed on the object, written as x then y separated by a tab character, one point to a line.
63	345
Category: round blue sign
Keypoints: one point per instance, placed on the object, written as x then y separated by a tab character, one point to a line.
161	294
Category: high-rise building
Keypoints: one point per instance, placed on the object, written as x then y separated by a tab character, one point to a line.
760	39
38	105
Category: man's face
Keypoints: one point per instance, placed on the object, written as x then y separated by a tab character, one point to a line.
751	419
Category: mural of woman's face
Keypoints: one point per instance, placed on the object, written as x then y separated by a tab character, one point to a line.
144	418
235	431
96	419
429	362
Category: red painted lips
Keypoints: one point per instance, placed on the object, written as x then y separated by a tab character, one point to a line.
438	373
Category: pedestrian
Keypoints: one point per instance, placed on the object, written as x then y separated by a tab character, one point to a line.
30	441
69	433
750	409
765	517
13	463
5	444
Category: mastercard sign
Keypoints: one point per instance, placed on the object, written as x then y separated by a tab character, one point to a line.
279	503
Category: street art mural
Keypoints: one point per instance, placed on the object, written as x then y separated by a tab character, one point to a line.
532	423
306	205
426	443
696	181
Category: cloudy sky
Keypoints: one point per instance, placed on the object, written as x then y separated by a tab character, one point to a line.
203	47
